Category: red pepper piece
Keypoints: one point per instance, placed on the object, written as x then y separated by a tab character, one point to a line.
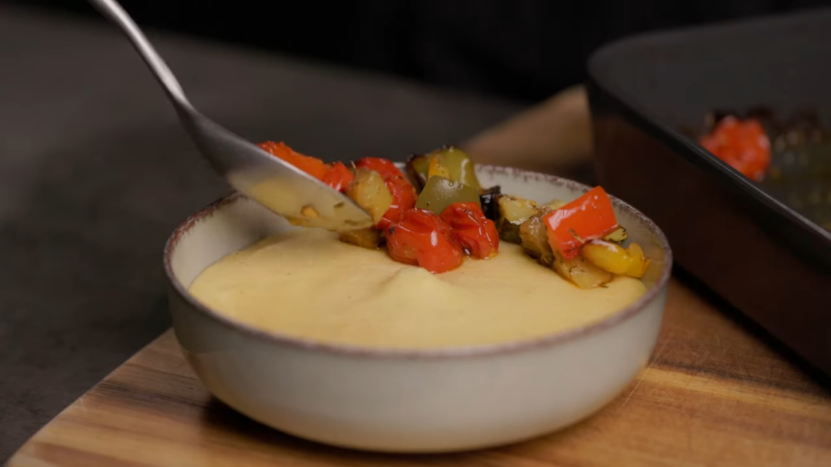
742	144
385	167
476	233
588	217
403	193
338	177
311	165
422	238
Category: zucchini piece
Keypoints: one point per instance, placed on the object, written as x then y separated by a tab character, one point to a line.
533	236
512	212
370	192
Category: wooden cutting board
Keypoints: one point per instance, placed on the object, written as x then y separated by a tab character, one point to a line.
713	394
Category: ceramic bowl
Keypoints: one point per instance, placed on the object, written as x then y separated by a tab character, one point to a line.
409	400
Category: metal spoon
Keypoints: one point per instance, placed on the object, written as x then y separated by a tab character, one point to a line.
262	177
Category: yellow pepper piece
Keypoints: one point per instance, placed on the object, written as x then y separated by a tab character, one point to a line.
614	258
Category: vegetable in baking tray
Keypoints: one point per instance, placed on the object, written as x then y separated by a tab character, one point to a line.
741	143
789	158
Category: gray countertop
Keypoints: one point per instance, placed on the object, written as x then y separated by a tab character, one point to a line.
95	172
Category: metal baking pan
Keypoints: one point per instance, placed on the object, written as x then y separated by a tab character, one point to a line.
742	239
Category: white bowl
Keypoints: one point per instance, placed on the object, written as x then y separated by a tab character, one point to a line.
409	400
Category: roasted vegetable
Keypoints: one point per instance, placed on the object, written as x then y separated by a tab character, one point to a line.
367	238
512	212
607	256
440	192
385	167
487	198
422	238
403	199
617	236
614	258
533	236
417	166
588	217
370	192
516	209
640	263
555	204
452	163
474	232
453	216
311	165
741	143
581	271
402	191
338	177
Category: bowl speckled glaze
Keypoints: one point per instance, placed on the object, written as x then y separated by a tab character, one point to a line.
409	400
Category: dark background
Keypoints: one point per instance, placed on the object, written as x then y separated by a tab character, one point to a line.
522	49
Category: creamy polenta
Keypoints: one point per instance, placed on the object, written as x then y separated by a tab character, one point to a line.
308	284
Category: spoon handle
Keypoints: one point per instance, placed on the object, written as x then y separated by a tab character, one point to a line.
115	13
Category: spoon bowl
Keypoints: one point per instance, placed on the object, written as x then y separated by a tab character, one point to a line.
268	180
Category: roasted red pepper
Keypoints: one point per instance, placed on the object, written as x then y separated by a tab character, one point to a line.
588	217
403	192
475	233
338	177
385	167
742	144
422	238
311	165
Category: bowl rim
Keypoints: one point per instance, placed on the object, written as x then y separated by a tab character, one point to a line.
535	343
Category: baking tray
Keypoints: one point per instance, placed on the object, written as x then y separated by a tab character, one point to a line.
758	253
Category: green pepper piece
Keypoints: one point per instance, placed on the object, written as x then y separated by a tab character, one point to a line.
441	192
451	162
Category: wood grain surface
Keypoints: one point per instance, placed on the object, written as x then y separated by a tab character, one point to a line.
712	394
